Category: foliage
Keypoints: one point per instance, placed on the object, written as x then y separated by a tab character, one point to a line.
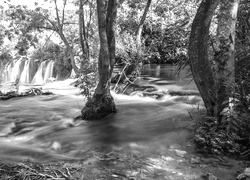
5	51
5	55
88	80
52	51
126	50
49	51
63	63
165	32
232	135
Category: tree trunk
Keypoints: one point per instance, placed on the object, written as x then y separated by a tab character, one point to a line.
102	103
198	55
110	21
71	53
81	26
224	55
139	30
82	33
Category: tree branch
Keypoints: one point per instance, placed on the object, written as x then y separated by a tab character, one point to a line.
64	4
57	16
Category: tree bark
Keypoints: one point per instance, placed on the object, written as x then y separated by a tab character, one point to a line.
71	53
81	26
201	66
224	55
139	29
82	33
59	30
102	103
111	21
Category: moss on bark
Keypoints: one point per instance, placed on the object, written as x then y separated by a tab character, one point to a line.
98	107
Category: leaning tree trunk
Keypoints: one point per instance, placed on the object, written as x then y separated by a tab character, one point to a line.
139	29
198	55
71	53
81	26
224	55
102	103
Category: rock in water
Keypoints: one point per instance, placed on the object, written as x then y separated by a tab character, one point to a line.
245	175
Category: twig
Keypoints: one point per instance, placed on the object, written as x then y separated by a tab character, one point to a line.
69	172
120	76
64	175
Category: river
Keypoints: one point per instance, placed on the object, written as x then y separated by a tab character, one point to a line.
42	128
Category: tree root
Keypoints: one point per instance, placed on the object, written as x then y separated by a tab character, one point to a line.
98	107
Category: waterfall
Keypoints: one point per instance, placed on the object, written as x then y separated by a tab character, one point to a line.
49	71
25	76
38	78
7	73
72	74
27	71
15	71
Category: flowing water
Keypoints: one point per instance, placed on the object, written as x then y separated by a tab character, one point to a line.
27	71
43	127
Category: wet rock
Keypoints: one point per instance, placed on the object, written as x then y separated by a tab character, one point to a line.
29	92
8	129
137	93
175	146
180	153
195	160
245	175
56	146
209	176
207	160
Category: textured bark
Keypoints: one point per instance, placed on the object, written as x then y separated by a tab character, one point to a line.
198	55
139	29
82	33
224	55
111	21
81	26
102	103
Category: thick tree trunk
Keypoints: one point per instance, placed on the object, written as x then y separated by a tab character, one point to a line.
102	103
110	22
198	55
224	55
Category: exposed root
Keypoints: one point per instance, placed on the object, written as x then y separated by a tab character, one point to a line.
98	107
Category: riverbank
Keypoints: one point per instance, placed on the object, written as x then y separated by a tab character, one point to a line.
130	164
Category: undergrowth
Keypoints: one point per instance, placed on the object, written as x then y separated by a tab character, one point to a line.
232	135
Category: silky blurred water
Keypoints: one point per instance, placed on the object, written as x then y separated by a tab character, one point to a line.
43	127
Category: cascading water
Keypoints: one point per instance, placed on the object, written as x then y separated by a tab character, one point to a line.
49	71
15	71
38	78
25	76
24	69
7	73
45	72
44	128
